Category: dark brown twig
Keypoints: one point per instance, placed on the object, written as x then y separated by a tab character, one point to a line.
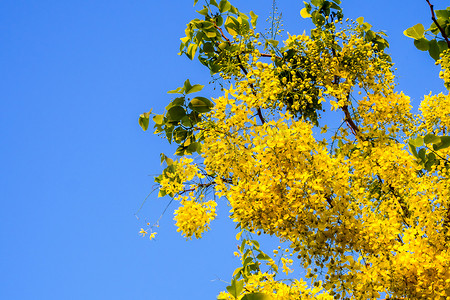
349	121
433	17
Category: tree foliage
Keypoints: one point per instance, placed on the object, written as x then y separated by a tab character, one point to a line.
365	207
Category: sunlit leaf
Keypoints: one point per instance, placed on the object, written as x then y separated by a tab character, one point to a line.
201	104
415	32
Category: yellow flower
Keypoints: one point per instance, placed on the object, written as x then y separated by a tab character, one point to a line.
143	232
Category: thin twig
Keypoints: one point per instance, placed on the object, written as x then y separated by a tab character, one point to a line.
433	17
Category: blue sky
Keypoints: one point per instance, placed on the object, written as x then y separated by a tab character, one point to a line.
76	166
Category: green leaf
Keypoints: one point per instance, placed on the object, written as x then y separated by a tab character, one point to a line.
165	158
237	271
186	121
257	296
194	88
263	256
181	150
169	130
192	48
247	261
234	10
370	35
304	13
430	161
445	143
179	90
144	119
413	150
442	46
201	104
422	44
187	85
195	147
158	119
274	43
442	14
418	141
208	48
431	138
176	113
360	20
210	34
434	49
244	25
235	288
195	2
254	18
179	135
317	18
204	11
194	117
231	25
415	32
179	101
422	154
335	6
219	20
433	28
213	2
254	243
224	6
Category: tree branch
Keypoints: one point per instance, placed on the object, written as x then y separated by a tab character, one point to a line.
433	17
349	121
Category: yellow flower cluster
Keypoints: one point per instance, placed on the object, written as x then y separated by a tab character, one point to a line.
193	218
435	110
444	61
174	182
357	209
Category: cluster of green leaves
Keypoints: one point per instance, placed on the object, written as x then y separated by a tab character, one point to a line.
206	36
427	155
376	38
181	116
251	254
322	12
436	43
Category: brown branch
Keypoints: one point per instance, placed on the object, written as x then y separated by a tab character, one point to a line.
221	33
349	121
433	17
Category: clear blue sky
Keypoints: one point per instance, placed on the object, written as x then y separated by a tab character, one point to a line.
76	166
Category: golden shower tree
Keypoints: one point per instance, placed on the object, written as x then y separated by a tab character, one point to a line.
364	208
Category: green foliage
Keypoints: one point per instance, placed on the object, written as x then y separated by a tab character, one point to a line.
179	121
427	156
433	38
